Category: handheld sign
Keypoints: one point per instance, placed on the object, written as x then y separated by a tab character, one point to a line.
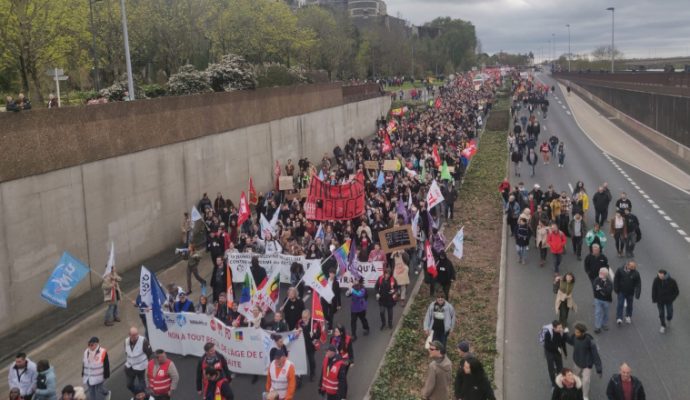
371	165
397	238
285	183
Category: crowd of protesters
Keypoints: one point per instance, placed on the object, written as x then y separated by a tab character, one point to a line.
554	220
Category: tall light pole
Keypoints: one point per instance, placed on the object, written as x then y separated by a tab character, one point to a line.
553	46
613	49
569	54
130	81
96	77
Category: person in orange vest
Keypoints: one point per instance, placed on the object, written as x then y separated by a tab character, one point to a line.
333	376
556	241
162	376
281	380
215	387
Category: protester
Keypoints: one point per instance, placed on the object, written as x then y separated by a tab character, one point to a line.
204	307
216	388
358	307
95	370
602	287
585	355
471	382
210	359
401	273
311	333
563	287
664	293
183	304
386	289
439	374
556	241
626	284
594	262
595	236
193	269
138	351
23	375
333	376
568	386
112	296
278	324
552	337
625	386
281	380
162	376
445	273
439	319
343	343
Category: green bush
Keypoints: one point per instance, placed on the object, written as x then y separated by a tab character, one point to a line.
153	90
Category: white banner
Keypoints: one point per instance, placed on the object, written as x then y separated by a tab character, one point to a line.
434	195
246	349
370	271
240	262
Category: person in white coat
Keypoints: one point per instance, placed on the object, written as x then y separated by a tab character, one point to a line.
138	351
95	370
22	375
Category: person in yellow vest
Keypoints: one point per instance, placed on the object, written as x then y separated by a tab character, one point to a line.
95	370
281	380
215	387
162	376
333	375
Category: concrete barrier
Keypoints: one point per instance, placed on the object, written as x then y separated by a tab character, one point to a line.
137	199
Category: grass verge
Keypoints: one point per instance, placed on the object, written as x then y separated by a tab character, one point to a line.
475	292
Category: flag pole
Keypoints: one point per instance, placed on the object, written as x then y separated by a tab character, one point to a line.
301	281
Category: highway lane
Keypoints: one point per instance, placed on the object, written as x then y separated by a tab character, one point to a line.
369	350
655	358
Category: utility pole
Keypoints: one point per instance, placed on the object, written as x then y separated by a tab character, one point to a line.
569	54
130	81
96	73
553	47
613	48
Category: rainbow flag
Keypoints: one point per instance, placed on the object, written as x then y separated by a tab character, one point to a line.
342	255
248	291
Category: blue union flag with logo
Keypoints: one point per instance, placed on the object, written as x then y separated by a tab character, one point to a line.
68	272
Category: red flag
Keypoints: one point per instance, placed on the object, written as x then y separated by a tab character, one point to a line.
243	211
437	158
229	293
430	262
437	103
253	198
387	145
276	172
317	316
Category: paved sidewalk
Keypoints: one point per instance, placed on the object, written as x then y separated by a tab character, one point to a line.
616	142
65	349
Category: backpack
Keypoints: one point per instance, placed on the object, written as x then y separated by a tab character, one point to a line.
542	333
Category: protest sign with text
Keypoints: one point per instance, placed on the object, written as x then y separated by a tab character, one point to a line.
327	202
370	271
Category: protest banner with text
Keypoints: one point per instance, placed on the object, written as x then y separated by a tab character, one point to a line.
327	202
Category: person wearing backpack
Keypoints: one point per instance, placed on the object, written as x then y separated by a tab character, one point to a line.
387	295
552	339
585	356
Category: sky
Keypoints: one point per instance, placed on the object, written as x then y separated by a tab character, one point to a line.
643	28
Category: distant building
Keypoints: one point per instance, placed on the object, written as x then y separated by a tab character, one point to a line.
336	4
366	8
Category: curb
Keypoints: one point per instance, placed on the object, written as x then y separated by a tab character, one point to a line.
499	362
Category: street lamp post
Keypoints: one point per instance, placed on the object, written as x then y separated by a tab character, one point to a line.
613	51
569	54
130	81
96	75
553	47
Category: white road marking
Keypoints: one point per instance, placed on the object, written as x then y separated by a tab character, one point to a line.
682	232
662	212
656	206
687	239
635	186
560	102
674	225
567	112
650	201
563	107
667	218
645	196
570	185
641	191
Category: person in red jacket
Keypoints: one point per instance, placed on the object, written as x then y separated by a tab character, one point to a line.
333	376
556	241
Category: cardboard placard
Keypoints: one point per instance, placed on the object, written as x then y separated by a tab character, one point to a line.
303	193
397	238
451	169
292	196
391	165
371	165
285	183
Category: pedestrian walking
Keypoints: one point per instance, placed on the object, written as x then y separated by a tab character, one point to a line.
595	236
193	259
603	289
601	201
311	340
401	273
623	203
664	293
471	382
551	337
619	231
594	262
516	157
532	160
46	386
22	375
343	343
281	381
568	386
585	356
95	370
561	154
333	376
542	232
138	351
624	386
358	307
216	388
553	145
563	288
210	359
512	210
112	296
545	151
445	273
522	236
634	234
578	230
439	374
556	241
439	319
386	294
161	376
626	283
293	308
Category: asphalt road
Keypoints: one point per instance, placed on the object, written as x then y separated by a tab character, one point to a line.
658	360
369	351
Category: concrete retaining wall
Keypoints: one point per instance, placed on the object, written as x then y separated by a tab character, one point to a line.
137	199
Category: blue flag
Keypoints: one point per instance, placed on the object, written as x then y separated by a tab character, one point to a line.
380	181
152	293
67	274
321	177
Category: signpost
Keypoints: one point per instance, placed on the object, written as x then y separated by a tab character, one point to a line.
58	75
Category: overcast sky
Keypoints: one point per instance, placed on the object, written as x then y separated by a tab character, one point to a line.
643	28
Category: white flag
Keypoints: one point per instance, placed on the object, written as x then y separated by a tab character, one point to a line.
266	227
415	225
145	286
274	219
196	216
434	196
111	260
458	242
315	278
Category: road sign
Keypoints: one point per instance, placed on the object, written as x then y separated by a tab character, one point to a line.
55	71
61	78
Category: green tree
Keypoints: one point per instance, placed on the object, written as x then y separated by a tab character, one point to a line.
335	44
